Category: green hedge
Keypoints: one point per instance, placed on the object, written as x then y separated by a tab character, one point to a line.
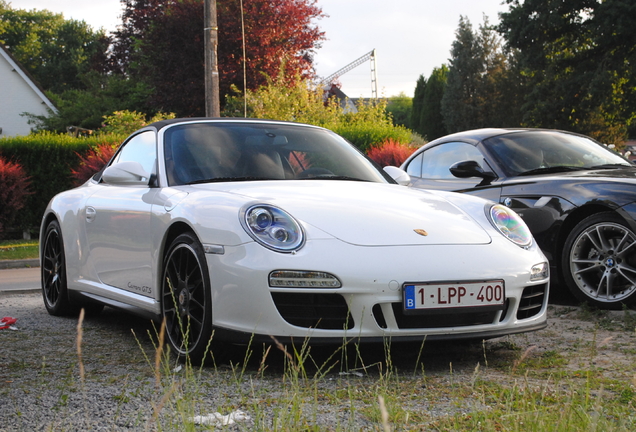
366	136
48	160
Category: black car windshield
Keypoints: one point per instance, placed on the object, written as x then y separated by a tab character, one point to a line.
246	151
542	152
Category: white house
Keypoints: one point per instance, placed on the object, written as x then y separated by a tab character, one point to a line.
18	95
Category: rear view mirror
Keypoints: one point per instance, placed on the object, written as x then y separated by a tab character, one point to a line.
397	174
126	174
470	168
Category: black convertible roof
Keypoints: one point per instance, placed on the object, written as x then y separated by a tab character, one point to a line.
477	135
163	123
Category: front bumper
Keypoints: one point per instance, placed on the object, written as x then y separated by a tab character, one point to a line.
368	306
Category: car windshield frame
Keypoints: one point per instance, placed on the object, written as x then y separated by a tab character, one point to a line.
217	151
544	152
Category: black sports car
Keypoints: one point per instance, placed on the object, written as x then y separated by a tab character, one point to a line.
577	196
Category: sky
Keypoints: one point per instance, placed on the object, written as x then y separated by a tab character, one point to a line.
411	37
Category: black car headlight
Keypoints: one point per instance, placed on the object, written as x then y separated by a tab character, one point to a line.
510	224
273	228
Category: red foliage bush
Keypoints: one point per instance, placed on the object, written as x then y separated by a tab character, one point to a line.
14	188
390	153
299	162
93	161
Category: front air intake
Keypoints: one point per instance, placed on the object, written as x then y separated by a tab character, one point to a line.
532	300
319	311
456	319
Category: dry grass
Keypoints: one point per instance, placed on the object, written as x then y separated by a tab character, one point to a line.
575	375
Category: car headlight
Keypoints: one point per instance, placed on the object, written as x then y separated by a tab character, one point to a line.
510	224
273	228
540	271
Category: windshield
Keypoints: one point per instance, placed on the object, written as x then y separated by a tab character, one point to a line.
233	151
533	152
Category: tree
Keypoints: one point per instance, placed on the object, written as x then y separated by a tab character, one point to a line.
102	95
400	109
577	57
482	88
460	103
127	122
418	100
499	95
300	102
426	116
303	102
68	59
431	118
617	51
57	52
161	43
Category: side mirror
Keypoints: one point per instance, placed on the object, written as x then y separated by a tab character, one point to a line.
399	175
126	174
470	168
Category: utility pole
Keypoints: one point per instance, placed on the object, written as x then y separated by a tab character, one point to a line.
211	35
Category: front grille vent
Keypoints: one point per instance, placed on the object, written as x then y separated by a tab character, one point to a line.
319	311
379	316
455	319
532	300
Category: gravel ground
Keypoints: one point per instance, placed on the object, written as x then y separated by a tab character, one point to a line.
43	387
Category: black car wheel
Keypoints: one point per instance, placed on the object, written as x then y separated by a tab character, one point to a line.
53	272
599	261
186	303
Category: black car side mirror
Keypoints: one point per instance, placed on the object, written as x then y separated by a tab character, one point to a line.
470	168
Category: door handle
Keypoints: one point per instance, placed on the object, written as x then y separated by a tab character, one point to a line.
90	214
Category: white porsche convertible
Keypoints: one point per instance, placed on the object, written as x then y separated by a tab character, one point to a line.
236	229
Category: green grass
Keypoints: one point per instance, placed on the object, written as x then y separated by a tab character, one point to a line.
537	391
506	385
307	388
18	249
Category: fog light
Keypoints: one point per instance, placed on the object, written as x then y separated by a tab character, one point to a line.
302	279
540	272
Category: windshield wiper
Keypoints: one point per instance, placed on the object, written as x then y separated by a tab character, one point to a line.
611	166
250	178
333	177
554	169
229	179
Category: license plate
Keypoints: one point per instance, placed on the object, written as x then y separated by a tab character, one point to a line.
422	296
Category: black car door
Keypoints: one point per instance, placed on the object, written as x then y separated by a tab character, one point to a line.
430	169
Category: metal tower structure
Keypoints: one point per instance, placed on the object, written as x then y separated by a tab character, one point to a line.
354	64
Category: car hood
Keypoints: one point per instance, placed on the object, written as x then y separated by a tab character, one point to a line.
617	186
621	174
367	214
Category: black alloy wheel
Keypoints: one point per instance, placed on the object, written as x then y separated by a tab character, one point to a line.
53	272
599	261
186	303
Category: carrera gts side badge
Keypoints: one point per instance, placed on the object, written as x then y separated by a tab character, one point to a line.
421	232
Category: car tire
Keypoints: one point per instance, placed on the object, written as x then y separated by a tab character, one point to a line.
599	261
53	273
186	300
